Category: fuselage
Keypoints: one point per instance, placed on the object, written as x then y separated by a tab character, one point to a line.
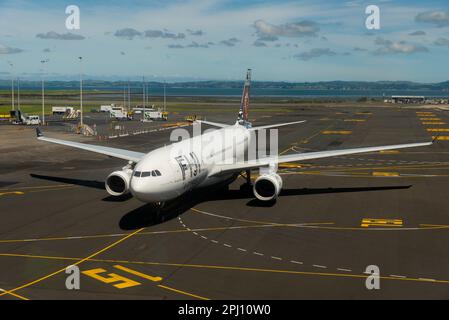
168	172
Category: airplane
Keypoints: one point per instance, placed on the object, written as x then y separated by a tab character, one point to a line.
162	174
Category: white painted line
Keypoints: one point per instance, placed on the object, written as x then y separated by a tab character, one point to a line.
2	290
297	262
188	229
276	258
227	245
319	266
396	276
345	270
241	249
70	238
257	253
214	241
204	237
195	233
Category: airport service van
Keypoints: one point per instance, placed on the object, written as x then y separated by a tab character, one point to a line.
61	110
158	115
106	108
32	120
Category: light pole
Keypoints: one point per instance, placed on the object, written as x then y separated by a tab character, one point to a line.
12	85
18	93
81	90
43	91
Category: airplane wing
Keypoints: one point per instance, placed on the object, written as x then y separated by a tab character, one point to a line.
264	162
276	125
112	152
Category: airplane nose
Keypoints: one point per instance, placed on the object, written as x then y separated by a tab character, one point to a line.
139	191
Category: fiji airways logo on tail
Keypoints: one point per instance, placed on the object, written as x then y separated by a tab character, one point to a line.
244	105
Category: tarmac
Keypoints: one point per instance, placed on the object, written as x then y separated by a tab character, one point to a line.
333	219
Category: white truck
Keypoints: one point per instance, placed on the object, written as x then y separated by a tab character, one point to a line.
118	113
61	110
32	120
158	115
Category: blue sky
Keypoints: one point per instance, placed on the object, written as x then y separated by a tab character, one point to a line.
218	39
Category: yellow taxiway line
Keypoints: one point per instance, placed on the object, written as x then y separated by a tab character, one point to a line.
232	268
75	264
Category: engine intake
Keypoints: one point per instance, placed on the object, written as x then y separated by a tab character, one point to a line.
117	183
267	187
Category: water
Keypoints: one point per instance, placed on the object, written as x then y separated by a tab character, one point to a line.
259	92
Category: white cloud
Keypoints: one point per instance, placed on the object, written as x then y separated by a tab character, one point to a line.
9	50
392	47
442	42
438	18
296	29
51	35
315	53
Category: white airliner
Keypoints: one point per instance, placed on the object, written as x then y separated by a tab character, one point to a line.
163	175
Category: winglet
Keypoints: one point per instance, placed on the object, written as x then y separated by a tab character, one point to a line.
38	132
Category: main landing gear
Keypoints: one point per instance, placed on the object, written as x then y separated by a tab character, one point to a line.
247	186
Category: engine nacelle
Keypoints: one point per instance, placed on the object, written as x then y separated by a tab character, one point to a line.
267	187
117	183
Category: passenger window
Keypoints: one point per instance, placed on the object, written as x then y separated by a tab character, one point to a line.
158	173
137	174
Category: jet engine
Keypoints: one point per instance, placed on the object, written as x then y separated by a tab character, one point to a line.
267	187
117	183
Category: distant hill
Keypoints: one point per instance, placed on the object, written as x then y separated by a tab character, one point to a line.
324	85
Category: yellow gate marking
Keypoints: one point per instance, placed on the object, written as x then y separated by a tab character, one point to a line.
137	273
18	193
430	119
437	130
385	174
112	278
442	138
435	123
367	222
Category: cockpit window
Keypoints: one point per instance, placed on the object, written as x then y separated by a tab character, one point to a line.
144	174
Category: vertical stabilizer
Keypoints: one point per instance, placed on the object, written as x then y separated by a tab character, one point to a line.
244	104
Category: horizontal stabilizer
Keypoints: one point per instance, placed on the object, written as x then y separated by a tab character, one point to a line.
276	125
215	124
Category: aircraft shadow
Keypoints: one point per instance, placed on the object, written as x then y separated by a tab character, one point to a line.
79	182
150	214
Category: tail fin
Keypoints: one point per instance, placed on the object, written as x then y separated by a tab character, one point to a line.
244	104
